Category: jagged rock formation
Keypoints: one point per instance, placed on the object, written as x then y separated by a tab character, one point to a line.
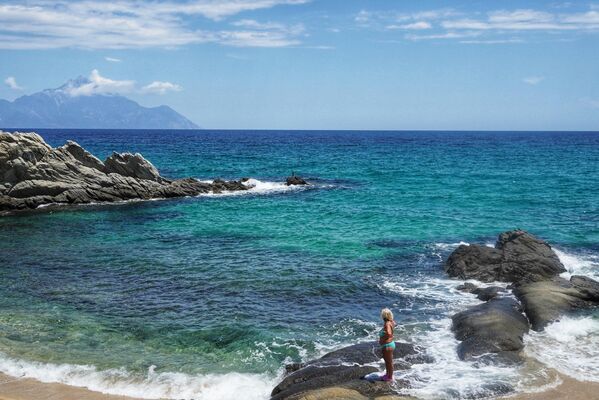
32	174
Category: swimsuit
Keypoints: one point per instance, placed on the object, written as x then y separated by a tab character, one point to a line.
390	345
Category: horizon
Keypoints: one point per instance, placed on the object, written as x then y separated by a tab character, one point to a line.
89	130
318	65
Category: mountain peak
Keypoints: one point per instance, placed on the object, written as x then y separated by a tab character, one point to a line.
84	103
75	83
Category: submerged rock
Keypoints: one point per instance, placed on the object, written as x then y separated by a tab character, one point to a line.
341	372
544	302
32	174
517	257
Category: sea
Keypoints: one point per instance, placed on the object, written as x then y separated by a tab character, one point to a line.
210	297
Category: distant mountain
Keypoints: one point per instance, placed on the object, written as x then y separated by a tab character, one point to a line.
59	108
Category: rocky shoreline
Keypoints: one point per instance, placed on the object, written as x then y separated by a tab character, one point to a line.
491	332
33	174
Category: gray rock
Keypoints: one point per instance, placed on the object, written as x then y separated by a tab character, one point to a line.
133	165
33	173
545	301
518	257
83	156
496	326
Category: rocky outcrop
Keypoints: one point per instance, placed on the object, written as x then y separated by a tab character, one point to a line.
517	257
32	174
496	326
545	301
533	268
340	372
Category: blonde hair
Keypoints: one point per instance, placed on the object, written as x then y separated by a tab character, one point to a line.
386	314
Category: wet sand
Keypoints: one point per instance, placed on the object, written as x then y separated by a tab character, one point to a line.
29	389
569	389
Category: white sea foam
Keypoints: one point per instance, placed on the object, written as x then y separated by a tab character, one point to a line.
257	187
154	385
447	377
570	346
449	246
577	264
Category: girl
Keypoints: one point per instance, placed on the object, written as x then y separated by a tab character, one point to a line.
386	342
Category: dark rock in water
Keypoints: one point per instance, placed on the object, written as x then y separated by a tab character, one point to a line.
496	326
517	257
467	287
295	180
33	173
488	293
342	370
544	302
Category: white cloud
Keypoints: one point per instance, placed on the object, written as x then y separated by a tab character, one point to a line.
94	24
112	59
528	20
492	41
494	25
159	87
446	35
533	80
420	25
100	85
11	82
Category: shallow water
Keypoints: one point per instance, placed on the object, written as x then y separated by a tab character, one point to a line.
204	297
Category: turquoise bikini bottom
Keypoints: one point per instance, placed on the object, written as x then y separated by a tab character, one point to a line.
390	345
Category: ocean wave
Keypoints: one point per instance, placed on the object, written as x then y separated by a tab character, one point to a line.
579	264
257	187
449	246
570	345
154	385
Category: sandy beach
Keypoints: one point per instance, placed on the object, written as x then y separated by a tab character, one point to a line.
12	388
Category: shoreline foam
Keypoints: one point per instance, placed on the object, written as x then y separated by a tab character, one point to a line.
12	388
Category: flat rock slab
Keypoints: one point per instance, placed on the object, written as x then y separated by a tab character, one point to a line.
544	302
496	326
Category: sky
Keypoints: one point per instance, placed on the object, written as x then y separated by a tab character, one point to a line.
318	64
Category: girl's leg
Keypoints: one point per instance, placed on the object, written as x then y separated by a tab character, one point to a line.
388	357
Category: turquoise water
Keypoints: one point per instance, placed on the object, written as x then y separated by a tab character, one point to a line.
192	297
